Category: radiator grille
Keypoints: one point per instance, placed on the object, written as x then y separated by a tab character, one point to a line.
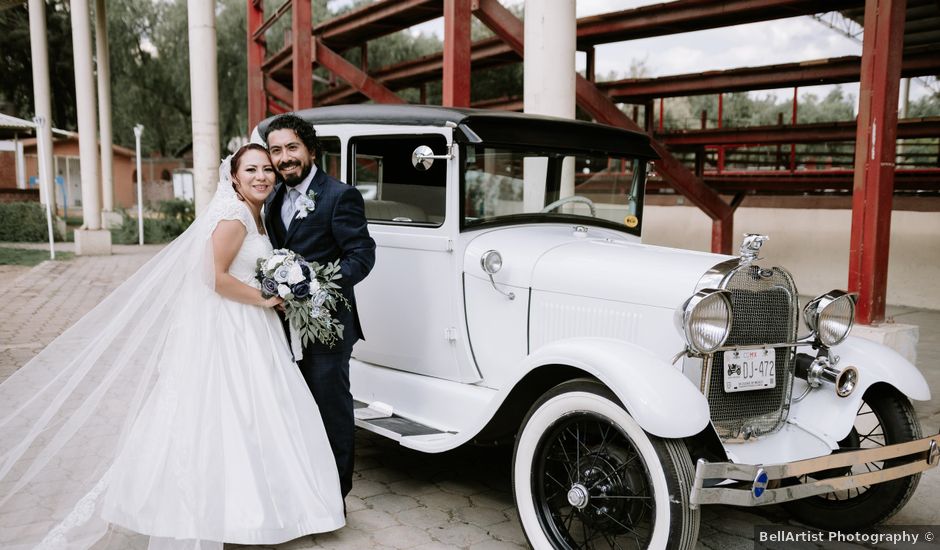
764	311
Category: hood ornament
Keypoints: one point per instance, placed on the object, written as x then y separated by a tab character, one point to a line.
750	246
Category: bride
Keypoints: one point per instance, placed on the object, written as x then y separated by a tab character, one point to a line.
173	409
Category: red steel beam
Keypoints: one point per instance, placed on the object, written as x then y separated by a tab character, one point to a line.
492	52
374	20
424	69
875	148
501	103
279	60
354	76
256	98
257	32
276	108
801	133
456	86
508	27
806	73
302	47
693	15
278	91
806	181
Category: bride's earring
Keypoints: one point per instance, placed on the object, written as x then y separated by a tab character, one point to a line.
237	192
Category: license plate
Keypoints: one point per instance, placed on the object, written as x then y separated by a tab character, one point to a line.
752	369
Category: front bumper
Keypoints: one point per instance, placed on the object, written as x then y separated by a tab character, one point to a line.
747	484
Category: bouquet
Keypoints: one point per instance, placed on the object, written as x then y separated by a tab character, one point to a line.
310	293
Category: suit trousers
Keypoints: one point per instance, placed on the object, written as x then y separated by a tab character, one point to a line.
327	376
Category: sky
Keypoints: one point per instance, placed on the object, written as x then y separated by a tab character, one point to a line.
755	44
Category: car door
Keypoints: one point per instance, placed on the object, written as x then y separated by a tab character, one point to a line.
410	305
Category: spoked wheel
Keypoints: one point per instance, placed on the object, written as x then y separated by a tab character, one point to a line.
586	476
885	417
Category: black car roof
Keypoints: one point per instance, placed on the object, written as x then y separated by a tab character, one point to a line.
488	126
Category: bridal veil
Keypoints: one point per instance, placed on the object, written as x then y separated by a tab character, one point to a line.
65	415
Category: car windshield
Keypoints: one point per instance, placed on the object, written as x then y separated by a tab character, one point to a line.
507	184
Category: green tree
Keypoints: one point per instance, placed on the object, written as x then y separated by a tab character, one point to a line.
16	63
150	73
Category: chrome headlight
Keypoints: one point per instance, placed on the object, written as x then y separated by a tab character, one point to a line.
705	320
831	316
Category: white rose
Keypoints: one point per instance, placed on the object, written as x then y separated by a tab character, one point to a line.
271	263
281	274
283	291
295	274
314	286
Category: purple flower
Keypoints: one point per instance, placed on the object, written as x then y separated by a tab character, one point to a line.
300	290
269	287
306	270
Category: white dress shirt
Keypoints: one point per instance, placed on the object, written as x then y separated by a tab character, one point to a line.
288	210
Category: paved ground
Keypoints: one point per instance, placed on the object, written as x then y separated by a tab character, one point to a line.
402	498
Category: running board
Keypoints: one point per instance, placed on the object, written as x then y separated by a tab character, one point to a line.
380	419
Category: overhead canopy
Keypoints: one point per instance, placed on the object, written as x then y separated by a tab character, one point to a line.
11	127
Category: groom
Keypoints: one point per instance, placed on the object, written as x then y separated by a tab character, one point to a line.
331	226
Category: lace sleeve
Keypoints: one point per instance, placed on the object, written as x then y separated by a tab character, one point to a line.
229	209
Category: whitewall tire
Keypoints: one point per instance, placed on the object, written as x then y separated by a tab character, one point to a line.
586	476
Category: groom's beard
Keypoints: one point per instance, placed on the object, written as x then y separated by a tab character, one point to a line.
293	180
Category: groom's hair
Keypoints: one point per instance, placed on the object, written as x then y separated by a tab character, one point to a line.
299	126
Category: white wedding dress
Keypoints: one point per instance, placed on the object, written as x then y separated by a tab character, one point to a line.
174	413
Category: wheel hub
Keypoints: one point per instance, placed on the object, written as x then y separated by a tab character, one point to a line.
592	485
578	496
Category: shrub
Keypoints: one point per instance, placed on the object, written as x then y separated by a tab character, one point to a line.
171	218
24	222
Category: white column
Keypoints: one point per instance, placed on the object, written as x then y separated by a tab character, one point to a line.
549	80
39	53
91	239
45	178
204	91
20	164
103	64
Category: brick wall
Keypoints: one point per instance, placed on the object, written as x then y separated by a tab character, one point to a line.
19	195
7	170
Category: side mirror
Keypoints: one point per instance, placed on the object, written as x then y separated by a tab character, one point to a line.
422	158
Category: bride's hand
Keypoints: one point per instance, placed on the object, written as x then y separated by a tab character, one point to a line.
274	301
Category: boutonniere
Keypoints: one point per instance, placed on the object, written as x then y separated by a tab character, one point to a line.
305	204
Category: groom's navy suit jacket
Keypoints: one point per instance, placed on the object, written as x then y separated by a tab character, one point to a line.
335	229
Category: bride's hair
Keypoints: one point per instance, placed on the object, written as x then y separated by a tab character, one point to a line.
237	157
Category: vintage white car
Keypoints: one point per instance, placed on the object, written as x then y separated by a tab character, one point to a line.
512	300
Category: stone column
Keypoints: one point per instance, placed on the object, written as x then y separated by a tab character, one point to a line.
39	52
90	239
549	81
109	218
204	91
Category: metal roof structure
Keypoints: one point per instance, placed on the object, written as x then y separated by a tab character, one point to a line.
713	168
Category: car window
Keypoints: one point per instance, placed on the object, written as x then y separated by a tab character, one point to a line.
328	157
393	189
506	183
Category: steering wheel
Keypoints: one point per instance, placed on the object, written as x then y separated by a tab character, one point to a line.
566	200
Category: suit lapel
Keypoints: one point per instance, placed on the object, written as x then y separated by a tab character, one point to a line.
272	209
314	186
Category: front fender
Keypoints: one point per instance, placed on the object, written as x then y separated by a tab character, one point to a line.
825	414
657	395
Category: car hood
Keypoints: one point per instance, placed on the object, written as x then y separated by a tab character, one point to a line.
596	263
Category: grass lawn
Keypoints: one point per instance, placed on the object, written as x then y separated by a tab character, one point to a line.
22	256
